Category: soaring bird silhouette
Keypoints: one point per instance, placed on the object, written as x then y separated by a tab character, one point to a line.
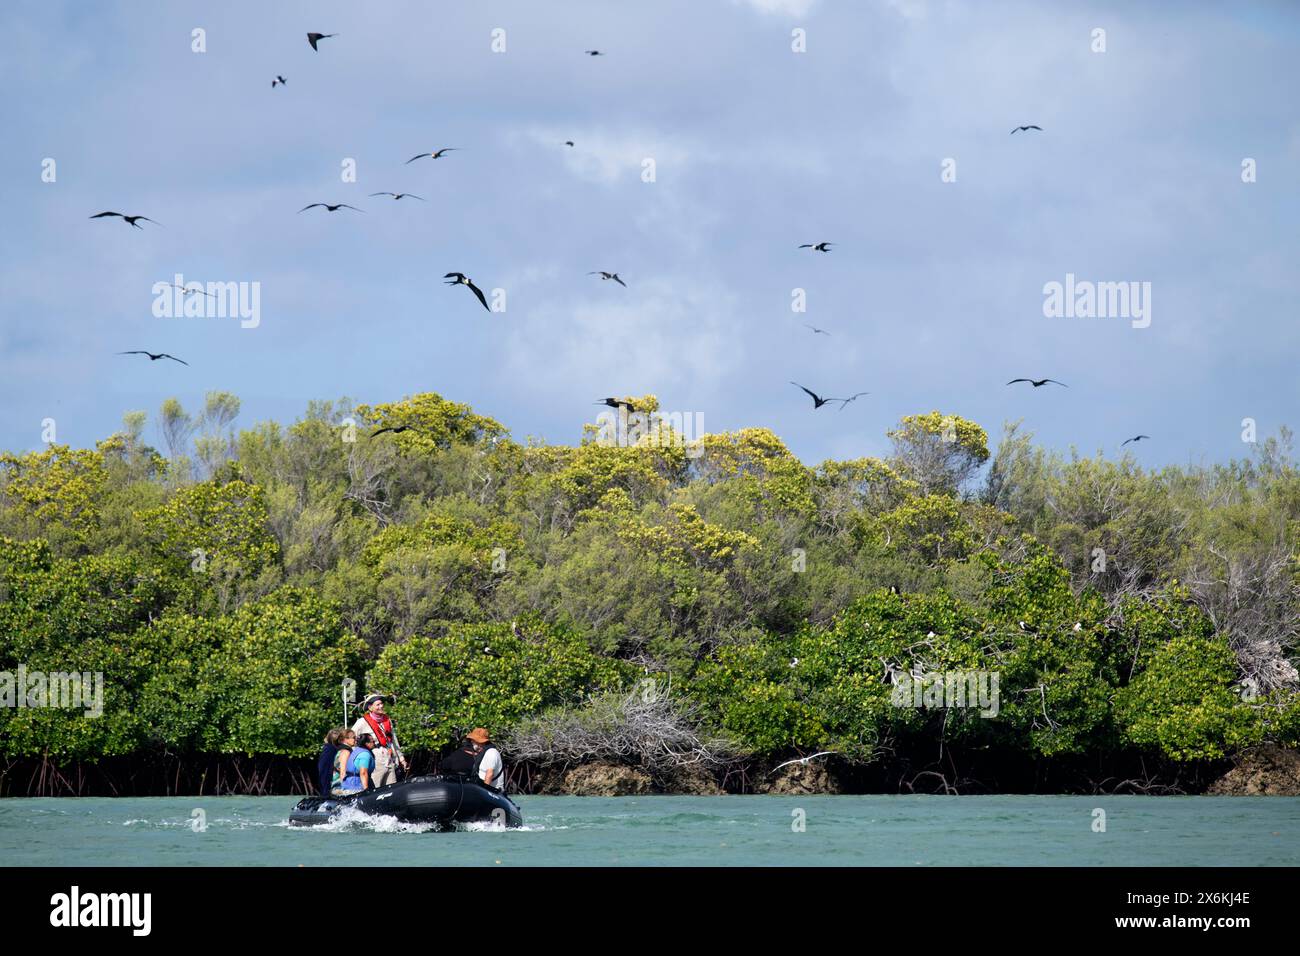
399	195
816	331
459	278
818	246
154	358
616	403
335	208
1025	129
818	401
130	220
313	37
436	154
593	52
1038	382
278	80
609	275
395	429
568	142
188	289
1136	438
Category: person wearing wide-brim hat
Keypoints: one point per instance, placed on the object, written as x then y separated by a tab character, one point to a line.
488	763
387	751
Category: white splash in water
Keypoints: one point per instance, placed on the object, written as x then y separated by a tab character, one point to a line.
350	818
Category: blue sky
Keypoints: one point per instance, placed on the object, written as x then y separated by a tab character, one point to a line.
933	293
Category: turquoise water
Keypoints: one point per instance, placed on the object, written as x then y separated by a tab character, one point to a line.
732	830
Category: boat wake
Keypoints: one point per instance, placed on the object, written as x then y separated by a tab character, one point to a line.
352	820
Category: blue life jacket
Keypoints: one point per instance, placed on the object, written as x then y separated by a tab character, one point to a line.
352	779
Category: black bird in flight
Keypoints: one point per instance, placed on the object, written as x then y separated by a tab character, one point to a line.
568	142
278	80
818	401
609	275
1038	382
313	37
1023	129
154	358
1138	438
437	154
395	429
399	195
818	246
616	403
187	289
459	278
334	208
131	220
593	52
816	331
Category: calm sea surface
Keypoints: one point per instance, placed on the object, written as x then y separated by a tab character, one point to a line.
753	830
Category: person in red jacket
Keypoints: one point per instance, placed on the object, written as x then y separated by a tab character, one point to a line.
387	751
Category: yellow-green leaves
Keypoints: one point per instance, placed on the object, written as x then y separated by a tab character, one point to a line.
214	525
1183	704
55	494
940	452
489	675
433	422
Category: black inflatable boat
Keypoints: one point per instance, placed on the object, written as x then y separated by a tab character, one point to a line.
440	800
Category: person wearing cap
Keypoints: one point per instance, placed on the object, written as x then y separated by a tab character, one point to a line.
387	751
488	763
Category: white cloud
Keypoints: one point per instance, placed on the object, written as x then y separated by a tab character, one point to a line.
790	8
660	335
909	9
607	157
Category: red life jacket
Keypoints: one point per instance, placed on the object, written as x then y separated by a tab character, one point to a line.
383	731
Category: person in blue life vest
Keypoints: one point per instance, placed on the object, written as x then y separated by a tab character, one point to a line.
357	775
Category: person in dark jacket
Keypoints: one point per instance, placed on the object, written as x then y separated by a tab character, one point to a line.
325	765
461	761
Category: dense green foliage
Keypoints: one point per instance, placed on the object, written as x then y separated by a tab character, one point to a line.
226	595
